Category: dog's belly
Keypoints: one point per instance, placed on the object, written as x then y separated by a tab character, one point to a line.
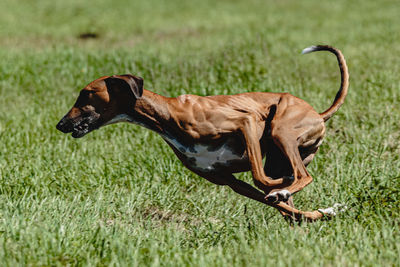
209	158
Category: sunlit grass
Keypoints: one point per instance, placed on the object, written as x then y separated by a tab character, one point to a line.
119	196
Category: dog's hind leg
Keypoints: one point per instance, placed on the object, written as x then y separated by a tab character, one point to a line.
250	131
292	128
277	166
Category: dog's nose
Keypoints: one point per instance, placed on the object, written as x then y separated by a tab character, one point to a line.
64	125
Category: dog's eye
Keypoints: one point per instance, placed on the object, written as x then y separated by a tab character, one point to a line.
87	108
83	98
84	93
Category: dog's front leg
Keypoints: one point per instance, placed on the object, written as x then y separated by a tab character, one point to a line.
249	191
245	189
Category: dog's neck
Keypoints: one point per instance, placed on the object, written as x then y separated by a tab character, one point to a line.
151	111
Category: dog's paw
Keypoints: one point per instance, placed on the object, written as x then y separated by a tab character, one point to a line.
282	195
333	211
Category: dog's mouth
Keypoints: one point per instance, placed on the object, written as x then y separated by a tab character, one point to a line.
80	127
81	130
85	126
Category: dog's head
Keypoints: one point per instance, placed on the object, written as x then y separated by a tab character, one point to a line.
100	102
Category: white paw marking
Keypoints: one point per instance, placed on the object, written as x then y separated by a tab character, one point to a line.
328	211
333	211
282	194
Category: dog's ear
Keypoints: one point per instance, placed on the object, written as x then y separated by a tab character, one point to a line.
134	83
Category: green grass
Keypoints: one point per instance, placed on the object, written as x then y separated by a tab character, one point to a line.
120	197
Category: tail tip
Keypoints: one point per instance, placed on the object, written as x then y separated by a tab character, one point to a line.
309	49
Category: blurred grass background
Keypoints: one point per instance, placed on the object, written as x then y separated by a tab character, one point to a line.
120	197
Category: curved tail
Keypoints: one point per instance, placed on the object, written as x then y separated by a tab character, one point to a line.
341	94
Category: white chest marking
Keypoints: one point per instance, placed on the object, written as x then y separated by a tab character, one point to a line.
119	118
124	118
204	156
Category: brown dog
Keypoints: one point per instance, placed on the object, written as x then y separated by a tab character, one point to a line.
216	136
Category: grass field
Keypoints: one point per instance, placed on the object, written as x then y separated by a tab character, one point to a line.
120	197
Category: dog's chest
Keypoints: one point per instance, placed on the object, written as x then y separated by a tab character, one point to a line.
209	157
203	157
